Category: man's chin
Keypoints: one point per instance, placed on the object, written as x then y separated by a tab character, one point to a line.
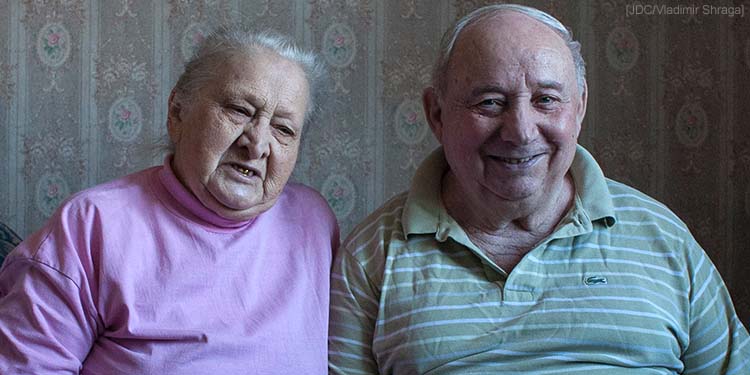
515	193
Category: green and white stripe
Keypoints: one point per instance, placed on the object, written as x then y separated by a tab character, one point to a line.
620	286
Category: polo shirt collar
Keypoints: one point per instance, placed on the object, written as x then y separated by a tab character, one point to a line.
424	212
591	188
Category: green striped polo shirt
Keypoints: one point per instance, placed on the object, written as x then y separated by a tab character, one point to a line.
619	287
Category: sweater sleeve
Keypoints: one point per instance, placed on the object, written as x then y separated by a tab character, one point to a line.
48	322
719	343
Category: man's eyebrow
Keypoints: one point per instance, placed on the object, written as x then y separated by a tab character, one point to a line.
494	88
484	89
549	84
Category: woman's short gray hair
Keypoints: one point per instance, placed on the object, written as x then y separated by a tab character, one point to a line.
450	37
228	41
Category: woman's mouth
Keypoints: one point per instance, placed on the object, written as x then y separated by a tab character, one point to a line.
243	171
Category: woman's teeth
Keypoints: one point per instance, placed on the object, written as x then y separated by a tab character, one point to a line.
244	171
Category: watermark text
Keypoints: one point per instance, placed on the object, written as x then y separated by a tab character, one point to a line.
684	10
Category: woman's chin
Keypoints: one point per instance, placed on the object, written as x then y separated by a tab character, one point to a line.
240	214
237	207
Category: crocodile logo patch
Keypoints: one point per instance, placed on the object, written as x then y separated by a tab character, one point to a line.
595	280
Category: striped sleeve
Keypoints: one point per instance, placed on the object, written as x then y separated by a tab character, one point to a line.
354	308
719	343
356	285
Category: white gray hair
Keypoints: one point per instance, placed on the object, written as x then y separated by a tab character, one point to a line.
228	41
450	37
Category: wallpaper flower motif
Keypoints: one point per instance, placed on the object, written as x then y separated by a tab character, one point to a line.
84	87
53	44
622	48
125	119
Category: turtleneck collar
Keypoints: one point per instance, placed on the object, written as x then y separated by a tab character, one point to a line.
189	206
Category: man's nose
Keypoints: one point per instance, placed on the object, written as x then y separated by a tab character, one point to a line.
518	124
256	138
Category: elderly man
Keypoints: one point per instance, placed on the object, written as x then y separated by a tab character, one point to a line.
511	252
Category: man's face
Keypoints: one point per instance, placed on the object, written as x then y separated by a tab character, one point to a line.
236	139
511	111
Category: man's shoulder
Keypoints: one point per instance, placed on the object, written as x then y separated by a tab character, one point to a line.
633	205
379	227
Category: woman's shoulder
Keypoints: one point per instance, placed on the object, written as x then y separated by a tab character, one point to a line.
302	195
115	194
305	205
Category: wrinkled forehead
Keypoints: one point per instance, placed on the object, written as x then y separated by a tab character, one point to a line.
511	40
265	80
247	70
262	61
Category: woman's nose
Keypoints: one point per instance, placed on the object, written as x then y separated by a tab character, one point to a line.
256	139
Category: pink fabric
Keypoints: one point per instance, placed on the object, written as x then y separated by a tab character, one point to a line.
136	277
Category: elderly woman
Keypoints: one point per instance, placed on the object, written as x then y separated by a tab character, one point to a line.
211	263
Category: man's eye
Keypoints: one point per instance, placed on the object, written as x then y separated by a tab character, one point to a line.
490	103
546	100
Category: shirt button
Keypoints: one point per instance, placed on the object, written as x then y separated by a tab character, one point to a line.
442	233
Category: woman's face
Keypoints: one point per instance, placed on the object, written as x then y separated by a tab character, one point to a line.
236	138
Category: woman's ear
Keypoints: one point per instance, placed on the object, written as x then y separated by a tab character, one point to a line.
433	112
174	119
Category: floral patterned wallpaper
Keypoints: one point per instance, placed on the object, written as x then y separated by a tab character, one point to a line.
84	86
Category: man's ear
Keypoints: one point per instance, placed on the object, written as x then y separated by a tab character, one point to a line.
581	110
432	112
174	119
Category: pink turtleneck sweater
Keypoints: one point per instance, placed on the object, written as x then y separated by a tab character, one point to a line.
137	277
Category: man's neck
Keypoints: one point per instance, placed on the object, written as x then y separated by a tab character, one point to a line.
486	215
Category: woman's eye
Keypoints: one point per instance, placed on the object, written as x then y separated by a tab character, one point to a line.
285	130
241	110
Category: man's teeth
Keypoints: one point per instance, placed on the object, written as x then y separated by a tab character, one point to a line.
516	161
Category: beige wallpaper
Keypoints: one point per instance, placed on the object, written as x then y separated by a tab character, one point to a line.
84	83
